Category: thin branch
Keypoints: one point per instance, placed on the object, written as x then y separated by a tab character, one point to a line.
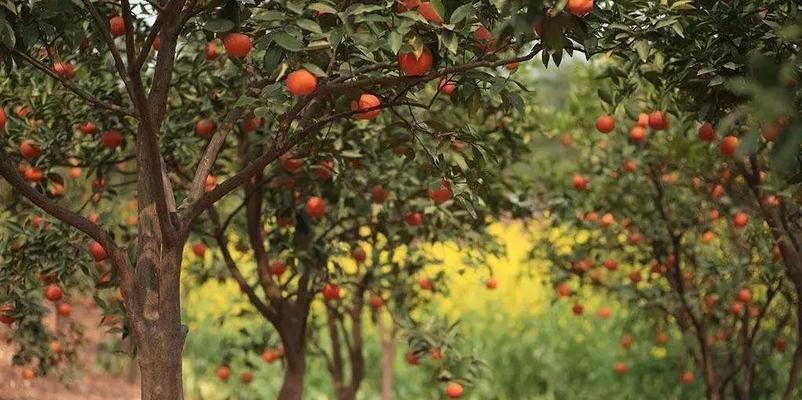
100	24
210	156
73	88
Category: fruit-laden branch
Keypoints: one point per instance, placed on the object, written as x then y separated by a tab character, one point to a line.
210	155
397	80
77	221
222	242
10	174
258	164
100	26
74	88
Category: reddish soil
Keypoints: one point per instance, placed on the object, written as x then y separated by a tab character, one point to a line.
90	382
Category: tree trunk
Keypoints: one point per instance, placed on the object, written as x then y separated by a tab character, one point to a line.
292	330
161	373
796	361
388	357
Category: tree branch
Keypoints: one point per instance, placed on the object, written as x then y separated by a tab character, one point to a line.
73	88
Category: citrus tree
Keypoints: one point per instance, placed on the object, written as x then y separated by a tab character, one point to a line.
92	84
364	188
689	200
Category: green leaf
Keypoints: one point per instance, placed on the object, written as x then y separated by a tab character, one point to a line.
219	25
7	34
314	69
363	8
287	41
394	40
309	25
605	96
642	47
462	12
323	8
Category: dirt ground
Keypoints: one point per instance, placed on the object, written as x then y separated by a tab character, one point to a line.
91	382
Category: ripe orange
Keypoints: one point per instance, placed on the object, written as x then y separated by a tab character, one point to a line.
315	207
117	26
604	312
429	13
366	107
205	127
580	8
64	309
378	194
630	166
643	120
359	255
637	134
301	82
661	338
412	65
246	377
199	249
237	45
3	119
250	125
53	293
290	164
414	219
579	183
88	128
483	40
211	50
210	184
376	302
33	174
605	124
97	251
28	149
454	390
425	283
277	268
324	169
658	121
27	374
610	264
112	139
729	145
441	194
411	358
331	292
66	70
491	283
620	368
577	309
706	132
626	341
563	290
223	373
446	87
740	219
743	296
5	314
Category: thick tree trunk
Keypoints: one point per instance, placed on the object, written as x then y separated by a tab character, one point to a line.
292	329
161	374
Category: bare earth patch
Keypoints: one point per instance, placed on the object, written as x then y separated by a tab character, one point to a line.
91	383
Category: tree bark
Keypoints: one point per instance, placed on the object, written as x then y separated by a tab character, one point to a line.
161	373
388	356
292	329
